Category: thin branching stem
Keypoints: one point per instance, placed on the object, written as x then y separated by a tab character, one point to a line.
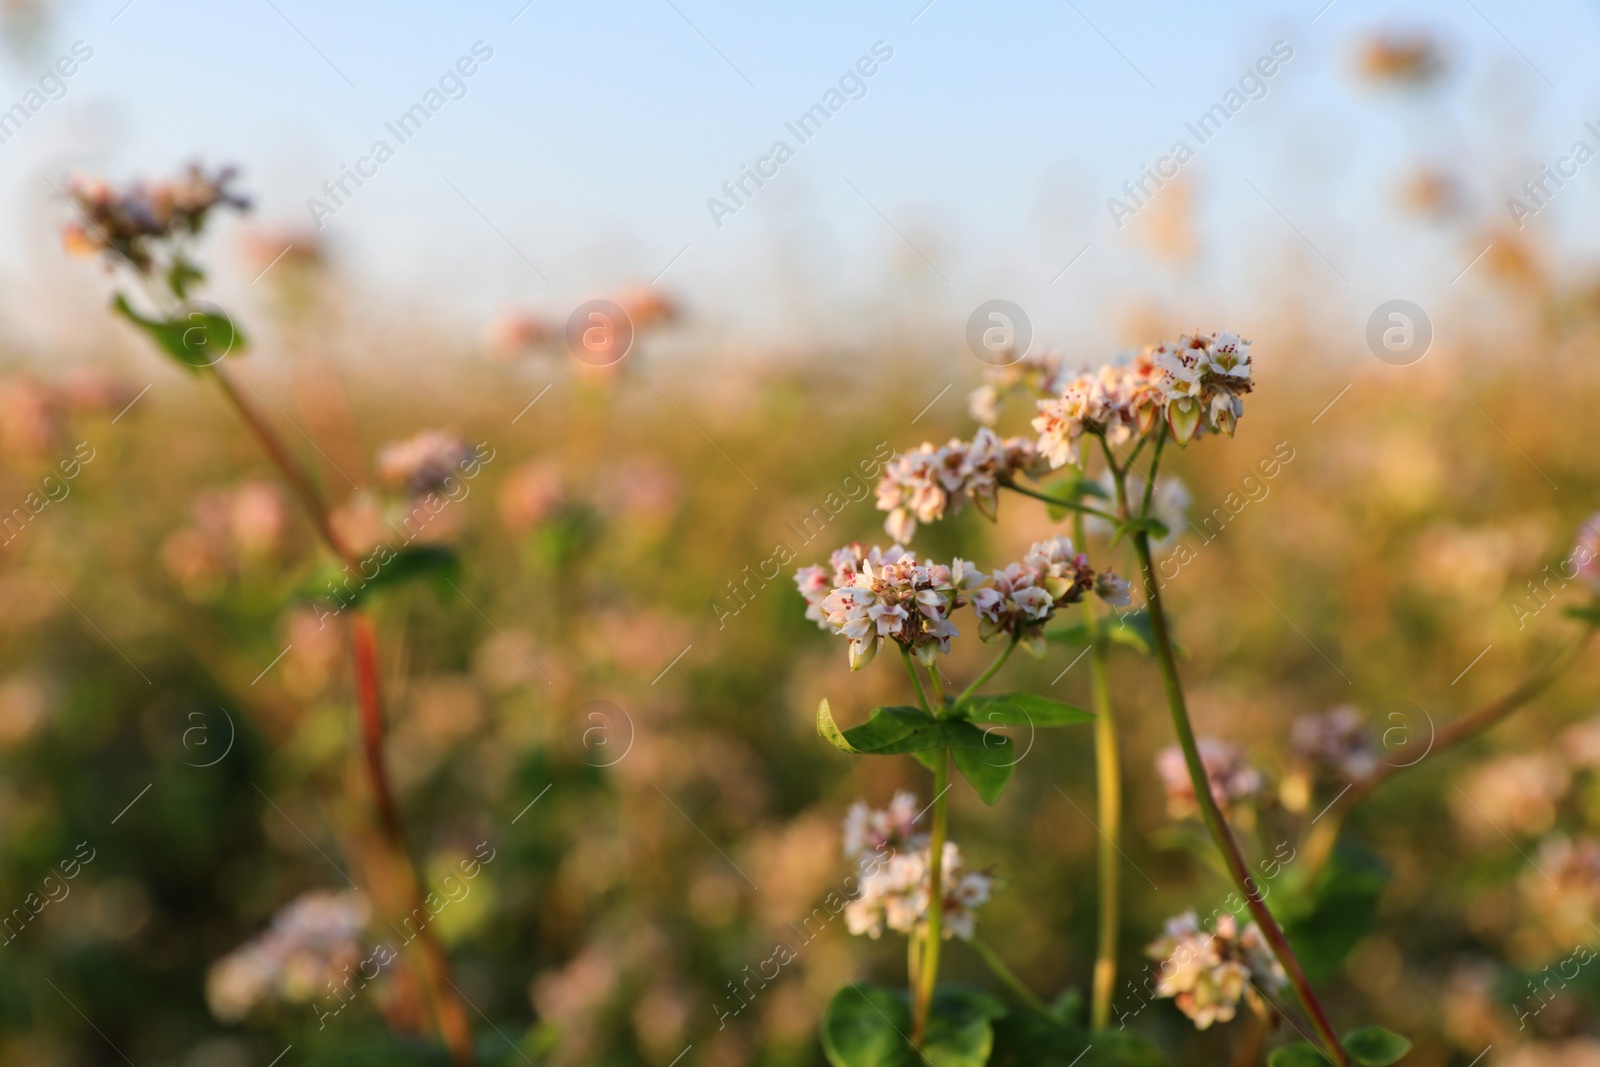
1108	791
1008	977
1221	835
990	672
1070	505
450	1013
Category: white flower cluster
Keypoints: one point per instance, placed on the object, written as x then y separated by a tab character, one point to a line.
312	941
873	594
1337	740
877	594
1022	597
1231	778
892	861
928	483
1208	973
1194	384
125	223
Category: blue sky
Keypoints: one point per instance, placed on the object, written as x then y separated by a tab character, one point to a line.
978	163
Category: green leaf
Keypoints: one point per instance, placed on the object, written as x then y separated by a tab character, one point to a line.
181	275
897	731
1072	488
865	1026
1132	628
828	730
1299	1054
1025	1038
1068	1007
1589	613
196	338
1373	1046
868	1026
1023	709
1075	634
988	769
409	564
1343	909
1124	1048
960	1033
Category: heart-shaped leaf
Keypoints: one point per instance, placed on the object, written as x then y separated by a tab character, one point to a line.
1343	908
896	731
1373	1046
868	1026
194	337
988	768
1023	709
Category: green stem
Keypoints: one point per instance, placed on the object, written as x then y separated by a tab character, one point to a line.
916	683
1108	788
1212	814
1009	977
1070	505
938	692
922	996
994	668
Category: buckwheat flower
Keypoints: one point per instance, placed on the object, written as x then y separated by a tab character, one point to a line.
815	583
1061	421
312	941
1232	779
871	830
1113	589
889	596
1194	383
1586	553
1021	597
126	223
928	483
1336	741
892	862
423	462
1207	974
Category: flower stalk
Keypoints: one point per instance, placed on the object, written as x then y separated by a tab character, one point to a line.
432	961
1216	824
1108	791
1008	977
922	997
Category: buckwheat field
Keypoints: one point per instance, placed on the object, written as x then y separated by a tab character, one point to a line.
677	535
